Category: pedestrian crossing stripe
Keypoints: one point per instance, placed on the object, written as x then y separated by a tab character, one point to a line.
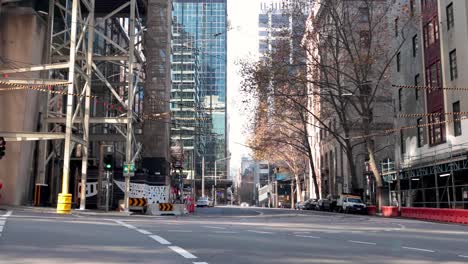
138	202
165	207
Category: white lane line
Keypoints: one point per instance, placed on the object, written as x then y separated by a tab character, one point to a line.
362	242
463	256
200	262
160	240
8	214
2	222
144	232
180	231
214	227
308	236
1	229
125	224
419	249
402	226
226	232
259	232
184	253
301	232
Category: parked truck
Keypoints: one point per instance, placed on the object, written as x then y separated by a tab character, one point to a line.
351	203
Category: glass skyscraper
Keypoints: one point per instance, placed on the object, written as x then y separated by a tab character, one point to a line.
205	25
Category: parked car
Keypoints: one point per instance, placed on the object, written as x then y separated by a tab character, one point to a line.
349	203
244	205
328	204
204	202
299	206
310	204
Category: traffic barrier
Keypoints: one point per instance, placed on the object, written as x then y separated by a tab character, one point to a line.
137	202
389	211
459	216
177	209
64	203
165	207
371	210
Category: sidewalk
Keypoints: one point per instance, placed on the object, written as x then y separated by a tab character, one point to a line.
52	210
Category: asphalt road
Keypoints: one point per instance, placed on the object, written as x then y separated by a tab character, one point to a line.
228	235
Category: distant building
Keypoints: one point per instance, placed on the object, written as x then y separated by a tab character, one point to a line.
205	21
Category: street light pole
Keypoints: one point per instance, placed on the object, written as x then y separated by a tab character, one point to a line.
216	176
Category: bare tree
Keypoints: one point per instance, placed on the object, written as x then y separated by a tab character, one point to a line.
348	53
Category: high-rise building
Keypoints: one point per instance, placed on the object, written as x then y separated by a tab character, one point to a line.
205	24
187	121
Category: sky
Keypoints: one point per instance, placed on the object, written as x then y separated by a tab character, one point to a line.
242	43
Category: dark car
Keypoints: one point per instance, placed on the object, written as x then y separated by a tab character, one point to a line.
310	204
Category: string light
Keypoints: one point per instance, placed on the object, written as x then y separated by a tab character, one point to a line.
429	87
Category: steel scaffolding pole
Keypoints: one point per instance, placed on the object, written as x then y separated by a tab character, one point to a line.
64	200
130	77
89	74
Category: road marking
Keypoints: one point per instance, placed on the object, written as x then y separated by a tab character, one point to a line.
308	236
226	232
419	249
214	227
160	240
8	214
301	233
402	226
463	256
362	242
144	232
200	262
180	231
184	253
125	224
259	232
1	229
2	222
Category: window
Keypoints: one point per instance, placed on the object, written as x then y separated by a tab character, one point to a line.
364	14
402	143
400	97
453	65
364	39
436	129
420	129
412	7
431	32
415	45
416	83
433	76
398	61
396	27
456	119
450	17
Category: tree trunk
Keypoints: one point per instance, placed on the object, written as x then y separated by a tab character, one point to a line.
375	172
298	189
352	165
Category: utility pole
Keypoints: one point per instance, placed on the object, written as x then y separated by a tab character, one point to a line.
203	177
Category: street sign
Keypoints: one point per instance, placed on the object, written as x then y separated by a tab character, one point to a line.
129	169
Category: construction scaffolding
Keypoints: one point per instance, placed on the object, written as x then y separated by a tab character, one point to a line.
96	48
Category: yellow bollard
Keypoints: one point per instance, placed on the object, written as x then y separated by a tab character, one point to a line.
64	203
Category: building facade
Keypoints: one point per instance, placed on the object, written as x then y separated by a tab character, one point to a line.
432	145
206	23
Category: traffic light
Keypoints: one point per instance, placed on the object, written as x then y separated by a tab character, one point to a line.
108	160
2	147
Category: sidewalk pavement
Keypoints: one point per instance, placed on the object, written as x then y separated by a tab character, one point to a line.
53	210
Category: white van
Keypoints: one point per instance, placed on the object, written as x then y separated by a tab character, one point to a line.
351	203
